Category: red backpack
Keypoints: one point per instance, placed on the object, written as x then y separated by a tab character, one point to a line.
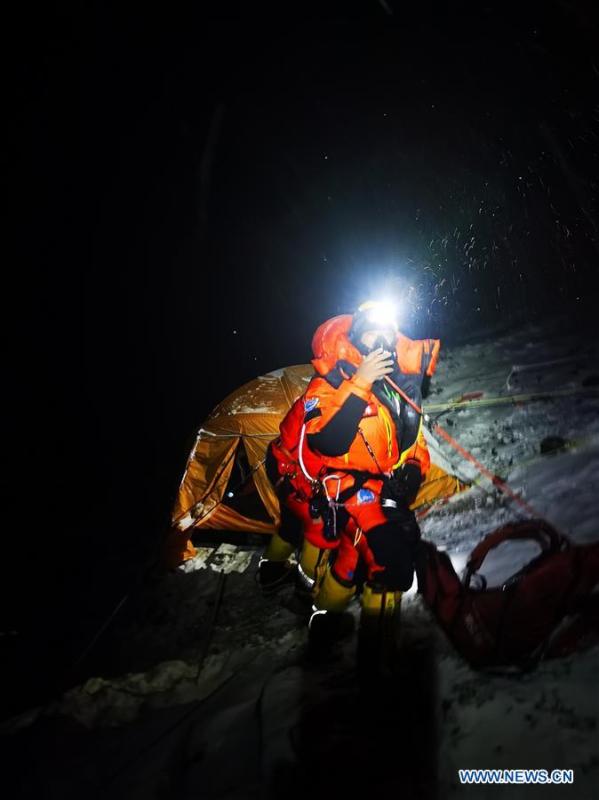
548	608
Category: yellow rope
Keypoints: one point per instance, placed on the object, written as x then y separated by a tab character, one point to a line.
513	398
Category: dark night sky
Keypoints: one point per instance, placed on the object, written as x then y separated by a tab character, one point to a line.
184	177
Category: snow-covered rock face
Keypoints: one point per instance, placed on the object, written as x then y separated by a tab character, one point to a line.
506	437
546	719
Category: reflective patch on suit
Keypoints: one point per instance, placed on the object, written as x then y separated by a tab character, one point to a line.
310	404
370	411
366	496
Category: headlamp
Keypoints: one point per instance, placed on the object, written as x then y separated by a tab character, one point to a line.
380	314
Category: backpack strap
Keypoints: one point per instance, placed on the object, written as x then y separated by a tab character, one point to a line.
539	530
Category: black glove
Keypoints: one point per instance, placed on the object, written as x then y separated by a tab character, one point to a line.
403	485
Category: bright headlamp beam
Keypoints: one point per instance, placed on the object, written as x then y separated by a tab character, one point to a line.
382	314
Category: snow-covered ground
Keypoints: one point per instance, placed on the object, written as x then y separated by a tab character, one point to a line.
547	719
250	719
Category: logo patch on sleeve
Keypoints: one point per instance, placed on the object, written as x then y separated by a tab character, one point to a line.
365	496
310	403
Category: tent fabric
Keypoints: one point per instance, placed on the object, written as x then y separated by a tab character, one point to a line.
250	417
437	485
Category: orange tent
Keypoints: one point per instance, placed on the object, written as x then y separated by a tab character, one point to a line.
230	448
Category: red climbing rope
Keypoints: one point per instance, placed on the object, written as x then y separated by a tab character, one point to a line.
495	479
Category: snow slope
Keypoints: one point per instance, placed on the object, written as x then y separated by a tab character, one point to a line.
547	719
241	713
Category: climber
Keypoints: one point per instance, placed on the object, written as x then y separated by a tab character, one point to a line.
373	456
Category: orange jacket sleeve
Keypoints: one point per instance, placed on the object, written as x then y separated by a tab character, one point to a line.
417	355
323	397
332	415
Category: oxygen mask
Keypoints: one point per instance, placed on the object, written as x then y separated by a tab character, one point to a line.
382	342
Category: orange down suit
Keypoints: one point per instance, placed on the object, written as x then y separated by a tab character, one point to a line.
296	495
377	449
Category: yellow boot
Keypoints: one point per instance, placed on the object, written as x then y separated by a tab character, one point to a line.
274	568
278	549
330	620
333	595
310	571
312	567
378	636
